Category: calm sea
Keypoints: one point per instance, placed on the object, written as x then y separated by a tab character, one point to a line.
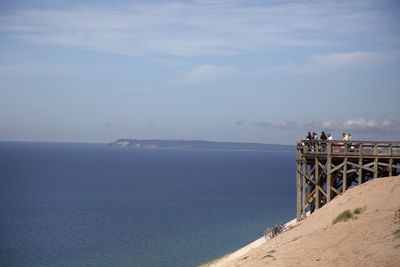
93	205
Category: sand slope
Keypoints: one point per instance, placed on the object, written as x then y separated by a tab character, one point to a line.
366	240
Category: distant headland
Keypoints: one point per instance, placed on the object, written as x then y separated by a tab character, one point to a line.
199	144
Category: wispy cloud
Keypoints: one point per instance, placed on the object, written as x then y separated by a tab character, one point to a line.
193	27
342	61
363	124
240	122
358	58
284	125
359	124
27	69
108	124
287	125
263	124
203	74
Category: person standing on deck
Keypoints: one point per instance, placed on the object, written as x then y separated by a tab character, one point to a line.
323	136
350	144
323	139
345	137
309	136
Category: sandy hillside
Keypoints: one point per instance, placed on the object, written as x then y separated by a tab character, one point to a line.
367	239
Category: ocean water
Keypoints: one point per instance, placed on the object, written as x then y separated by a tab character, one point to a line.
93	205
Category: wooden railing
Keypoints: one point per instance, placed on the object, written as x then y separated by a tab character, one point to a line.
353	148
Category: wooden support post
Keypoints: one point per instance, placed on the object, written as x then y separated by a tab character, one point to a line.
375	167
304	193
299	190
344	176
316	175
390	160
328	173
375	160
360	164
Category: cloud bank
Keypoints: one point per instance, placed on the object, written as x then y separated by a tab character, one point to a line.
359	124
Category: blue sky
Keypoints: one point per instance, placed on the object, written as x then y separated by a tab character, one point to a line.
230	70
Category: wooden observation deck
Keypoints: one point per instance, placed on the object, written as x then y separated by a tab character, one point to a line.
325	169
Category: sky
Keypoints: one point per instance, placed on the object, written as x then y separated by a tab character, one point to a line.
229	70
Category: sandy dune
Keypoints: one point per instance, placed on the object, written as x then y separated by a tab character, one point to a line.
367	239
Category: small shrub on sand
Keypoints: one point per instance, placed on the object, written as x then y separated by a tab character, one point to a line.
347	215
396	234
397	221
274	231
358	211
397	216
343	217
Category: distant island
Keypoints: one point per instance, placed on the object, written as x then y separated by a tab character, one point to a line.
198	144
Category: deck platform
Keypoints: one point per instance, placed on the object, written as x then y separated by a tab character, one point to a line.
325	169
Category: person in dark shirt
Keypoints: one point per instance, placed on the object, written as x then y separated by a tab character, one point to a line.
309	136
323	136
